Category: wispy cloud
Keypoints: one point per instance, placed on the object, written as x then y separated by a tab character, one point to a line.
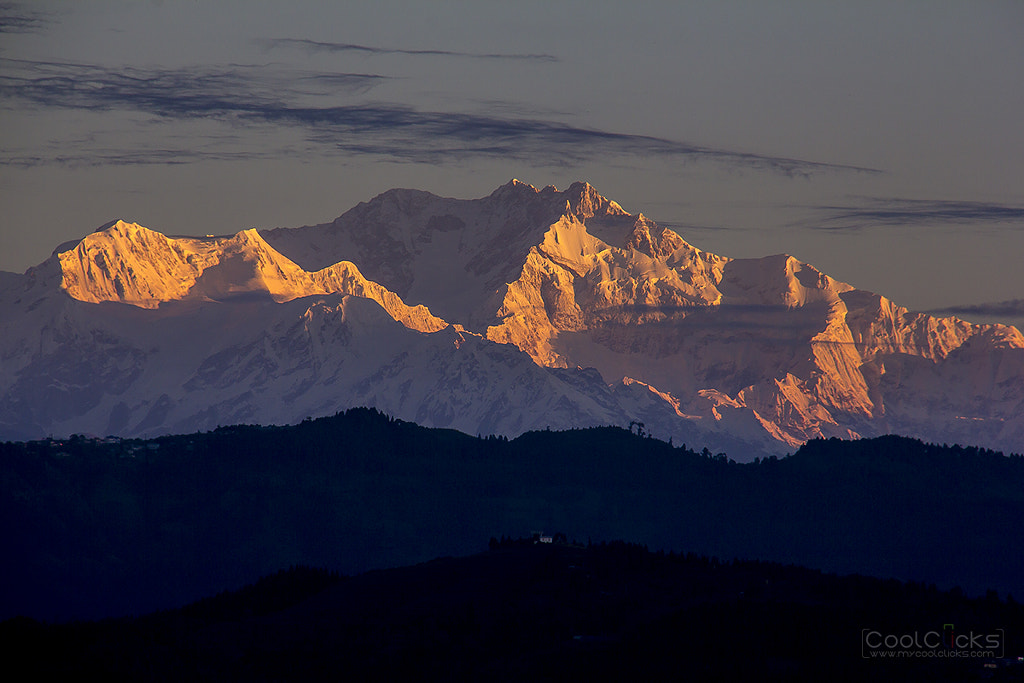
147	156
246	96
175	93
1012	308
16	17
318	46
684	228
784	324
899	212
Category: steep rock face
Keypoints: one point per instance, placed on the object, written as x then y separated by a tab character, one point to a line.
880	326
657	310
135	265
535	307
480	315
450	255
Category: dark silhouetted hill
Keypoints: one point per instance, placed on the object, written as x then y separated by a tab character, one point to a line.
525	611
95	528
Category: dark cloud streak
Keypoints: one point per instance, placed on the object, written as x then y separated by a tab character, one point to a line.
138	157
683	228
175	93
16	18
906	212
1013	308
250	95
318	46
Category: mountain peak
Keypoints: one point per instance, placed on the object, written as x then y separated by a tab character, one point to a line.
129	263
514	188
584	201
398	199
121	227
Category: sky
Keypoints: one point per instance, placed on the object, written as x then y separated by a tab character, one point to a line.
881	142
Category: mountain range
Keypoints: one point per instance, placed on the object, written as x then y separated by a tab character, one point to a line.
522	310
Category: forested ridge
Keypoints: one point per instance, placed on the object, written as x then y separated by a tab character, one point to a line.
526	610
101	527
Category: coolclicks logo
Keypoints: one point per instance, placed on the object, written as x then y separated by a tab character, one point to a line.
947	643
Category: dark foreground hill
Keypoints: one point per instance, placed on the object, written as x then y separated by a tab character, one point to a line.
93	529
527	611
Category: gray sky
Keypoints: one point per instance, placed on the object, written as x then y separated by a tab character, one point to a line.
881	142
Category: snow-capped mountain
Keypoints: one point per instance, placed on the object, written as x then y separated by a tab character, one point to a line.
524	309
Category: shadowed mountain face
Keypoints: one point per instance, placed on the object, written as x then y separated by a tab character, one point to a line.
480	315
